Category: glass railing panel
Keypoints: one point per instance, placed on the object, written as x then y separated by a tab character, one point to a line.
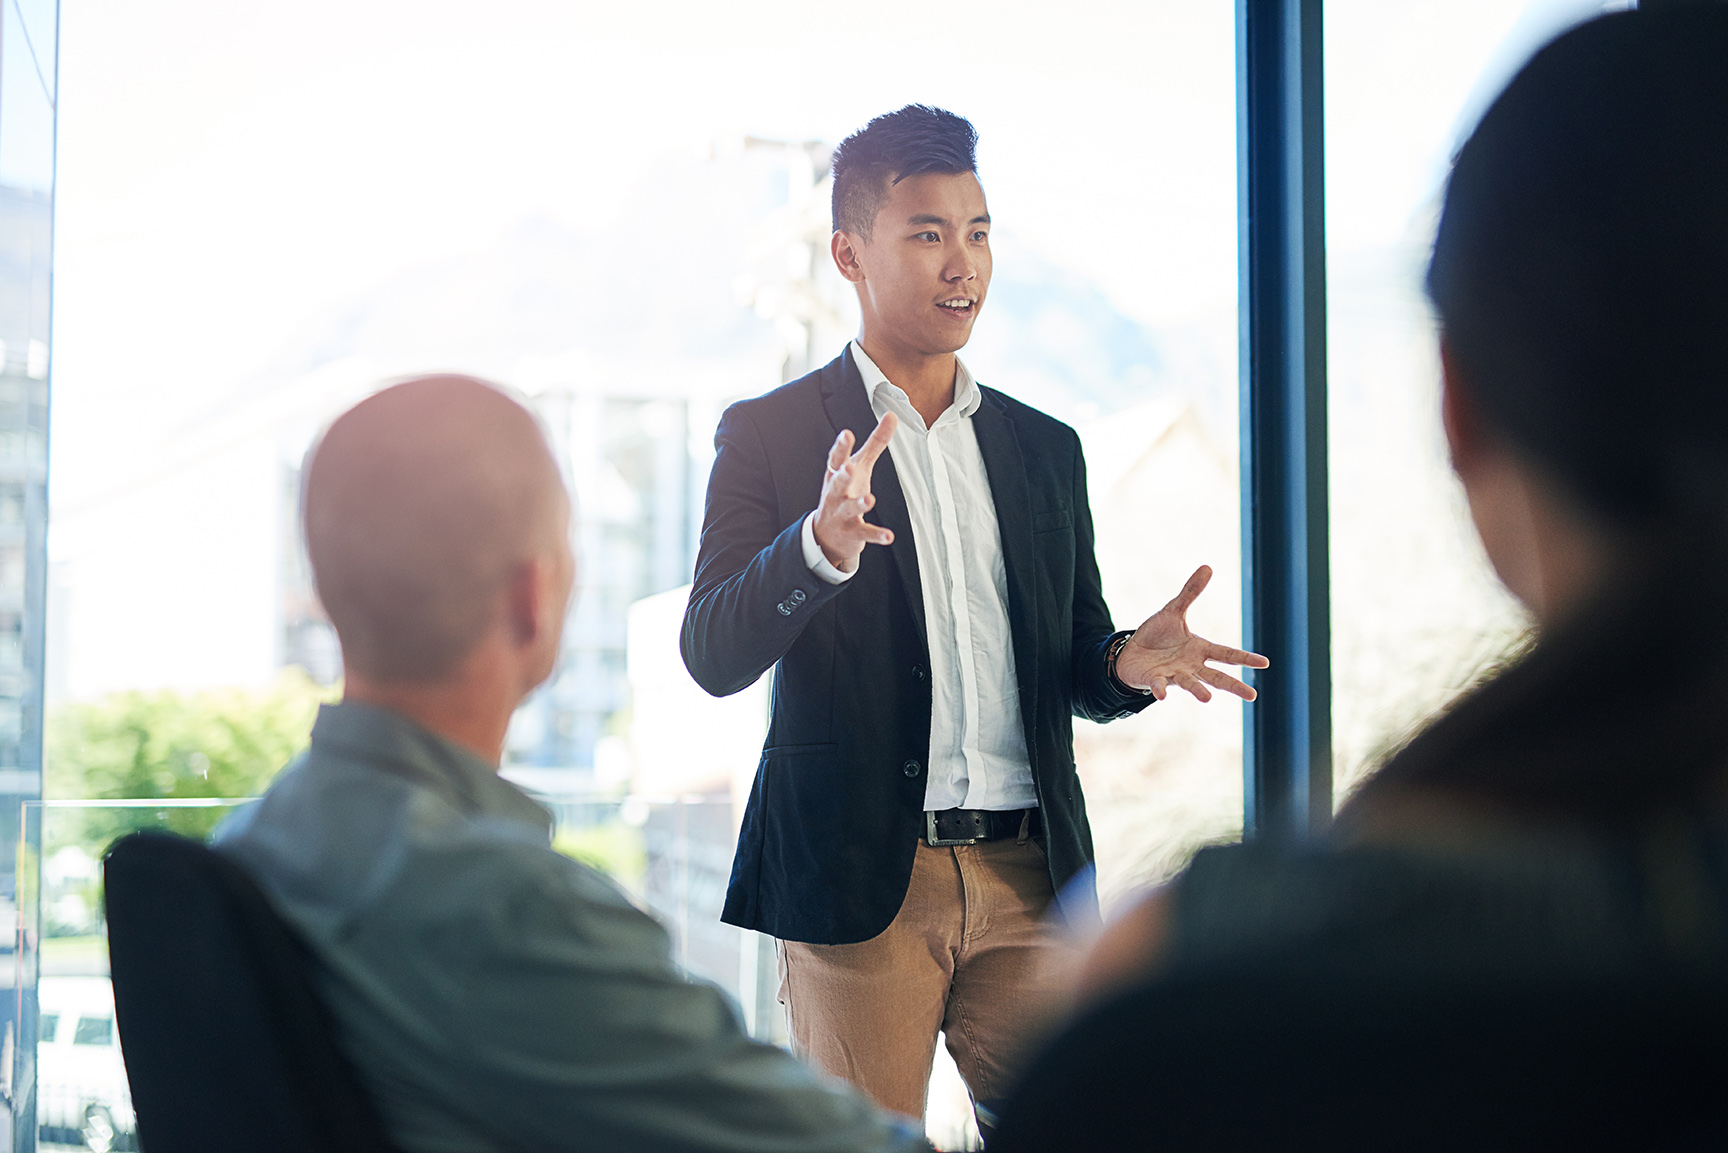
671	854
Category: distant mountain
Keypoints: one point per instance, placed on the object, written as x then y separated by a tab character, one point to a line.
664	277
1050	337
660	276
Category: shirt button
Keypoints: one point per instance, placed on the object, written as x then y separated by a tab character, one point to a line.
910	768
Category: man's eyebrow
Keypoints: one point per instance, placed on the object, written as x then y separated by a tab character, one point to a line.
930	218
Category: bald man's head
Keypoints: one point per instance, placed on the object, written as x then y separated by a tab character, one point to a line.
421	502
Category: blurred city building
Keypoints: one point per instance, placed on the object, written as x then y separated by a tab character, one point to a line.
29	78
26	244
26	240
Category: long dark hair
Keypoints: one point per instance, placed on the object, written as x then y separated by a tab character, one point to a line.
1580	272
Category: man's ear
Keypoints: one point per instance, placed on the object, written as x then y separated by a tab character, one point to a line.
1466	433
528	600
845	247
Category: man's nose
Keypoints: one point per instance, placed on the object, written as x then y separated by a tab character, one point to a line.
961	266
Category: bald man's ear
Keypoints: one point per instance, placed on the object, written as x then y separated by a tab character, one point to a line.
535	602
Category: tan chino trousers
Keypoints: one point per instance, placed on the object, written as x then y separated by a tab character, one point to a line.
969	955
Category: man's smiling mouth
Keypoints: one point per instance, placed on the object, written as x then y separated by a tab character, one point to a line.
960	306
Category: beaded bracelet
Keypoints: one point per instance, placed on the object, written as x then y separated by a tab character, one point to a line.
1117	644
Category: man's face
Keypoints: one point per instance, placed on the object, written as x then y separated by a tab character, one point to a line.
923	273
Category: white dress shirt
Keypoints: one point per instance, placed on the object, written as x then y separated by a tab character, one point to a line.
977	741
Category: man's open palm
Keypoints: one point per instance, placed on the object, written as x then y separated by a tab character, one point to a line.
840	526
1162	652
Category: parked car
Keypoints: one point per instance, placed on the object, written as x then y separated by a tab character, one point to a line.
81	1090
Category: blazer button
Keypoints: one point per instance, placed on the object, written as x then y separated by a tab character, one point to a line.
785	610
797	597
918	672
910	768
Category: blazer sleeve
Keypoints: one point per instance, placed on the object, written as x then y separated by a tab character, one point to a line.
1096	695
753	594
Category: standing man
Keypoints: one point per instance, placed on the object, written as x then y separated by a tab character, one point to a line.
916	809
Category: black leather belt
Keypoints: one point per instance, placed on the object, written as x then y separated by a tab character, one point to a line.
969	826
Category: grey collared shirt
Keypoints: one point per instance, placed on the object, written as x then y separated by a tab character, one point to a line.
496	995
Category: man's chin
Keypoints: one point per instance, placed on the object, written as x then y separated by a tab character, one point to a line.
949	342
942	341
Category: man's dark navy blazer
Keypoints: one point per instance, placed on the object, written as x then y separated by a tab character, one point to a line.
825	852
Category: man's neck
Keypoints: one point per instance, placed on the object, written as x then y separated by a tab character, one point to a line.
927	380
457	711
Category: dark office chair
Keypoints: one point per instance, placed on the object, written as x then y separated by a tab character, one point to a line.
227	1044
1353	1063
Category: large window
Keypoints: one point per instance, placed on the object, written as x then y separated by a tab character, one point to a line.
621	211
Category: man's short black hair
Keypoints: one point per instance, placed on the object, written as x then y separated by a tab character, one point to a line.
915	140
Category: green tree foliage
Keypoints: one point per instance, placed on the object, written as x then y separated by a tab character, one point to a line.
223	743
613	847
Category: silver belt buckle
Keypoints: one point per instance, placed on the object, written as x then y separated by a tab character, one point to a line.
935	842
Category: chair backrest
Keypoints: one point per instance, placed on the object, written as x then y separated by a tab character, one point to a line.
227	1043
1248	1061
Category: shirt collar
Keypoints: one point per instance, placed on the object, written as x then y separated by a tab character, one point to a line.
967	395
390	742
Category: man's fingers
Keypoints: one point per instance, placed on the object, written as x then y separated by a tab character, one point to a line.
842	448
878	440
1223	680
1195	689
837	491
848	483
1226	655
1195	586
846	514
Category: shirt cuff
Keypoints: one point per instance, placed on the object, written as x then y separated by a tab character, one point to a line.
816	561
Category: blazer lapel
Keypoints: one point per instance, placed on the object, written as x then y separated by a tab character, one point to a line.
848	406
1005	464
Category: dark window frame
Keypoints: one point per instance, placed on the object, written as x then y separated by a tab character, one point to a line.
1286	593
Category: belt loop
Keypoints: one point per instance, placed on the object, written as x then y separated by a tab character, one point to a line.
1025	826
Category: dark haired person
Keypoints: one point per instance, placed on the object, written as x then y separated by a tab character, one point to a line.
492	993
916	807
1561	831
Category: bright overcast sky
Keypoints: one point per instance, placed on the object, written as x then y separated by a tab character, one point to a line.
227	169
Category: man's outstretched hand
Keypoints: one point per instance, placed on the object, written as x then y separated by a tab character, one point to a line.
840	526
1162	652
